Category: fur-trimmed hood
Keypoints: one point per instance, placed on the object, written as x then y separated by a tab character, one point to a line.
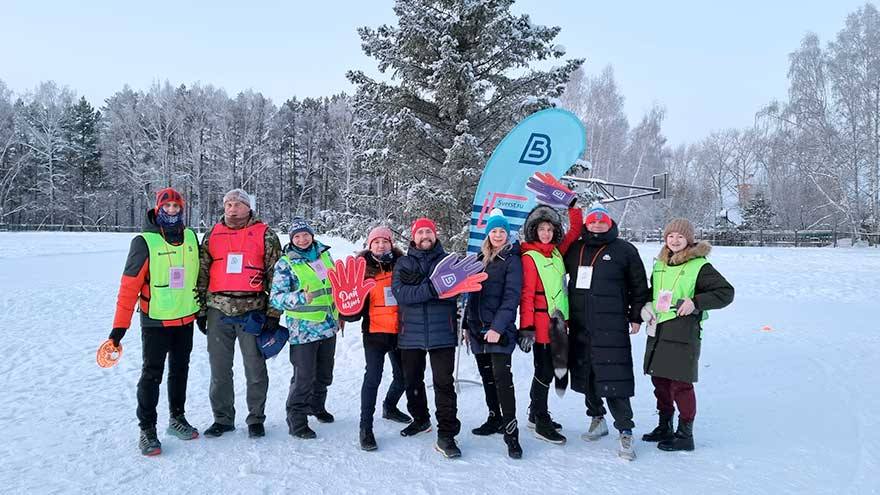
699	250
542	213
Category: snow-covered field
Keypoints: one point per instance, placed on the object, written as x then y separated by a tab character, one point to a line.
791	410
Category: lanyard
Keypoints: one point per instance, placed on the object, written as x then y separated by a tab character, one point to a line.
581	254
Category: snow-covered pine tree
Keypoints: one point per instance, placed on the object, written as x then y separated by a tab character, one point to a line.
758	214
84	157
460	79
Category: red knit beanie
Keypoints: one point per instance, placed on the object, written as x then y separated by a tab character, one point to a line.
168	195
422	223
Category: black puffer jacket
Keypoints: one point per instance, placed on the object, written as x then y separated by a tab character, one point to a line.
599	320
426	321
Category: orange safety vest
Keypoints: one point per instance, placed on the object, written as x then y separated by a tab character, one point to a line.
248	242
383	317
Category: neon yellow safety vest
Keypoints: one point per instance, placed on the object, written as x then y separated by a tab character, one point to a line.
552	273
322	304
166	302
681	280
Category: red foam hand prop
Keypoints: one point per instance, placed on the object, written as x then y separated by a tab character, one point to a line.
471	284
349	287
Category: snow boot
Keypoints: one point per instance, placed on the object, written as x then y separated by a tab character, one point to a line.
447	447
179	427
368	441
304	433
416	427
218	429
662	432
322	416
532	421
392	413
626	450
256	430
598	429
493	424
149	442
545	431
511	438
683	439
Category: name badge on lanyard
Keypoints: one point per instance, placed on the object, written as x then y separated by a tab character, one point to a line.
664	301
585	277
234	262
390	300
319	268
176	276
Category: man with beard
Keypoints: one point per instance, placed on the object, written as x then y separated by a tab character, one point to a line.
427	329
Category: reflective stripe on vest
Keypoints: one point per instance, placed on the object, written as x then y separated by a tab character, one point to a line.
322	304
681	280
250	243
552	273
383	319
167	303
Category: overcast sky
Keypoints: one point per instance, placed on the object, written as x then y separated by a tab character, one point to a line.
711	64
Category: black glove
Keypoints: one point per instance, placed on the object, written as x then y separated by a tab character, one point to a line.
116	335
202	323
525	338
411	278
272	323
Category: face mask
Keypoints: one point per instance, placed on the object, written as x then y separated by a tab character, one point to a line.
165	220
386	257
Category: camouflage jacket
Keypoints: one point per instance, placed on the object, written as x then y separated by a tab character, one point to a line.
238	303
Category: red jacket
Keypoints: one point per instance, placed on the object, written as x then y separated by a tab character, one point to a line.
533	303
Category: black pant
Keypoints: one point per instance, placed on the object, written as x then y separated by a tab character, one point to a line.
177	343
312	374
543	357
445	400
375	363
621	409
498	384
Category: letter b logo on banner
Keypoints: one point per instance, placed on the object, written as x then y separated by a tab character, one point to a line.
537	150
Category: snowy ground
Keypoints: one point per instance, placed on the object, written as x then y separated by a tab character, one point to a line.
791	410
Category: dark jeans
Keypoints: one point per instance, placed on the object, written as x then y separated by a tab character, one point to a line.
177	343
670	393
445	400
621	409
375	363
312	374
498	384
543	357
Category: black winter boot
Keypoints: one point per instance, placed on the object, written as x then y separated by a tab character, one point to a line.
218	429
683	439
511	438
447	447
322	416
662	432
493	424
545	431
368	441
149	442
416	427
392	413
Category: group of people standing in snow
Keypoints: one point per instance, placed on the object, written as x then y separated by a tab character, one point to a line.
580	294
